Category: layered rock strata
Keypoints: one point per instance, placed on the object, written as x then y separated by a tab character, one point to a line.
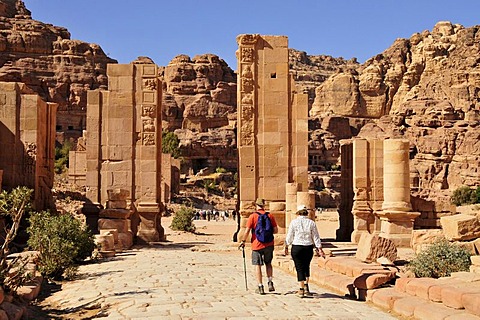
424	89
48	61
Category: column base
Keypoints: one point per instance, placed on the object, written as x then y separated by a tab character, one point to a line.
397	226
149	220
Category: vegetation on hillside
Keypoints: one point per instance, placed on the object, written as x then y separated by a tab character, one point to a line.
61	157
465	196
170	144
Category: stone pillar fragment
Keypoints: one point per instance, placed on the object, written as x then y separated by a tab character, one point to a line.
116	217
291	202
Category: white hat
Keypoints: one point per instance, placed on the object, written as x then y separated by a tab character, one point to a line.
301	207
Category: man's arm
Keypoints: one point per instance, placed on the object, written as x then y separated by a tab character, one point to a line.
245	235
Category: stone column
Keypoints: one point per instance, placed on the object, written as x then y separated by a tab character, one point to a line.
148	162
363	216
291	202
376	180
346	193
307	199
272	121
397	217
124	143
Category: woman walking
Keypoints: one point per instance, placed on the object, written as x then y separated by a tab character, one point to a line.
303	236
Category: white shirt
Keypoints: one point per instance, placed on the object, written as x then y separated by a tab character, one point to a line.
303	232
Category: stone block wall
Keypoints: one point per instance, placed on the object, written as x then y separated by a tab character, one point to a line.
124	143
272	124
27	141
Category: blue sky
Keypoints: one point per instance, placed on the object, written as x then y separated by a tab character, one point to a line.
162	29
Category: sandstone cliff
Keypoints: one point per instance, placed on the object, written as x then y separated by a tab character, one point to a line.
56	67
425	89
199	105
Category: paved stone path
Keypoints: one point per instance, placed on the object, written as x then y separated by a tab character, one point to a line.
198	279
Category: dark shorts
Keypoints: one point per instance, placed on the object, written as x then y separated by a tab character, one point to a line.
262	256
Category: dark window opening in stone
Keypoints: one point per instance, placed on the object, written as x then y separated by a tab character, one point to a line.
273	75
70	127
200	164
58	128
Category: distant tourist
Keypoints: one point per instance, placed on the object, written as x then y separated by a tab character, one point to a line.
262	243
303	236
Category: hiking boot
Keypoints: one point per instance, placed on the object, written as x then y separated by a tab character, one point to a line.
260	290
270	286
301	292
307	290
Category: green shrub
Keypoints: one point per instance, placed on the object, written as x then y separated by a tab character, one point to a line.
61	157
440	259
209	185
463	195
62	242
477	194
183	220
170	144
220	170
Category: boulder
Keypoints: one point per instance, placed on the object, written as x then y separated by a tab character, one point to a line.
460	227
371	247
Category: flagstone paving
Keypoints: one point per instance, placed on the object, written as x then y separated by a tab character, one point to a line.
197	277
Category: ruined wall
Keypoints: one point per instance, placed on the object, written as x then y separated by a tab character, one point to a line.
124	142
27	142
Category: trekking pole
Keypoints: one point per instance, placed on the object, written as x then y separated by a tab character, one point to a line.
244	268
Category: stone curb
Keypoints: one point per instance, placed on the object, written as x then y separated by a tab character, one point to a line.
406	298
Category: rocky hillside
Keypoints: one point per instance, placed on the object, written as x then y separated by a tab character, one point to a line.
425	89
56	67
311	71
199	105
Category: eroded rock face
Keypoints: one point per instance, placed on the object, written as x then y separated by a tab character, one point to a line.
199	105
425	89
310	71
57	68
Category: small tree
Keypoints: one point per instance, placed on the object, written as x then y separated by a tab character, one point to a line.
170	144
61	157
183	220
13	205
209	185
464	195
62	242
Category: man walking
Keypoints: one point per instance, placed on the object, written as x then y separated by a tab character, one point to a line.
263	226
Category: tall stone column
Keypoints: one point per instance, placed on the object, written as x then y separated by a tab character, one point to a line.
346	193
397	217
376	181
363	217
272	126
